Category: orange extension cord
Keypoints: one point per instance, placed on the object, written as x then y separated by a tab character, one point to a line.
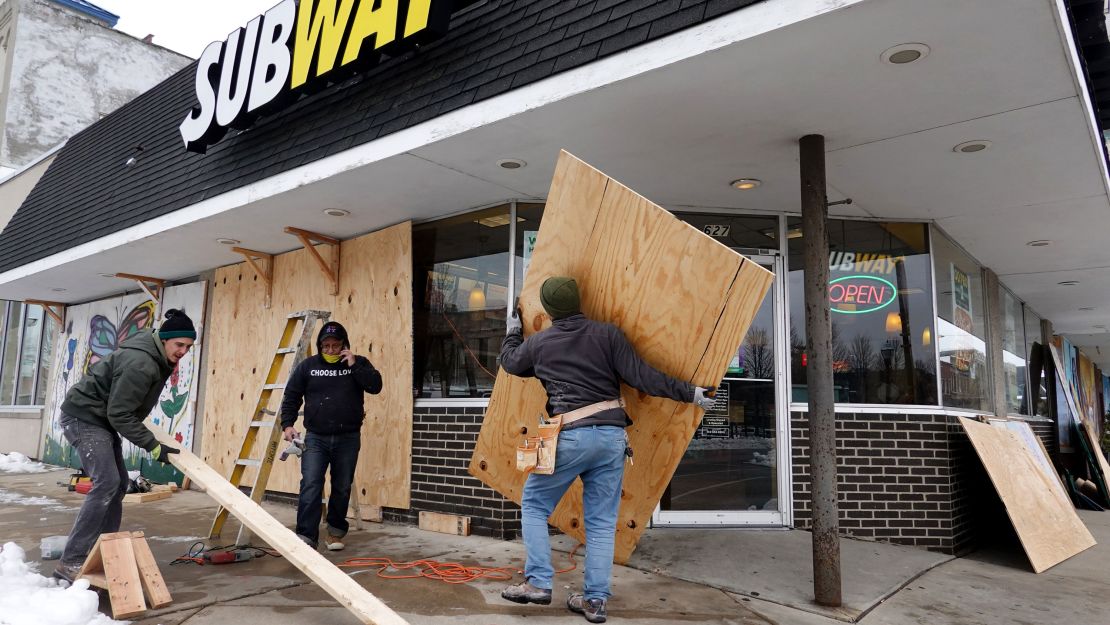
447	572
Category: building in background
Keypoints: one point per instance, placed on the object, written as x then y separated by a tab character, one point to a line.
63	67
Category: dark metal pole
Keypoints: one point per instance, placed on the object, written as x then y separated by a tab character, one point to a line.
819	373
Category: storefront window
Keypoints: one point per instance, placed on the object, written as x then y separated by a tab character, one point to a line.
28	359
46	354
961	327
9	365
461	293
1038	361
747	232
1013	352
881	299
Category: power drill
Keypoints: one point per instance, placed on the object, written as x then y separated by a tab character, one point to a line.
228	557
296	448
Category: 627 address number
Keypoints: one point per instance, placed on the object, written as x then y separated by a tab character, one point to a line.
716	230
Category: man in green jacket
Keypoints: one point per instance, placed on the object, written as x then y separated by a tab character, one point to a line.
113	399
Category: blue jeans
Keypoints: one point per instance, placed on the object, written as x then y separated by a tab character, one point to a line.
341	452
596	454
101	455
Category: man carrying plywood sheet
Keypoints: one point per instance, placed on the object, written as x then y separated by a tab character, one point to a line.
581	364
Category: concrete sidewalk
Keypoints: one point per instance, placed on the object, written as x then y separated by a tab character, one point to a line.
718	576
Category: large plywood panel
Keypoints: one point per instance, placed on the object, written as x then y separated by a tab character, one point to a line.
374	304
682	299
1046	523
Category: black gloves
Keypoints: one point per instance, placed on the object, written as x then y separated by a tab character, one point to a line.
162	453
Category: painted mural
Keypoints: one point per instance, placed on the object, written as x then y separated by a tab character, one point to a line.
94	330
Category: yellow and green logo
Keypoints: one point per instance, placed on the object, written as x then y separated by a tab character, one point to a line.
294	47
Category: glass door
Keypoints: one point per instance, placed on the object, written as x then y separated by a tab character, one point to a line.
731	473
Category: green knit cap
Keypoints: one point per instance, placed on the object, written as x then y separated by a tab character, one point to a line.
559	296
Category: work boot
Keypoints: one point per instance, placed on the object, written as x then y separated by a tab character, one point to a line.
525	592
592	609
334	543
66	572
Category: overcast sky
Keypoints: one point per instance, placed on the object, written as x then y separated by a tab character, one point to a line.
185	26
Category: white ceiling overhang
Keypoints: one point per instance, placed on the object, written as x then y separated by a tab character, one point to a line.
680	117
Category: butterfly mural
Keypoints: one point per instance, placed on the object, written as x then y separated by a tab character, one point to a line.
104	337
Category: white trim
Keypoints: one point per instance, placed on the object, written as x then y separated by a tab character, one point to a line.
41	157
897	409
1071	53
712	35
21	412
461	402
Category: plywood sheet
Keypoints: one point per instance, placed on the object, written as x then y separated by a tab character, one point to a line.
1046	523
682	299
1065	386
1033	443
374	304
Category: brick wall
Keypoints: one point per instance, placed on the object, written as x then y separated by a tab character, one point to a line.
1046	431
442	441
906	479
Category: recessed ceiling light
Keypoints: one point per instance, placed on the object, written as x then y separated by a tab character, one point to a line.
1039	243
227	241
905	53
745	184
107	275
336	212
511	163
971	147
58	289
1086	308
1068	282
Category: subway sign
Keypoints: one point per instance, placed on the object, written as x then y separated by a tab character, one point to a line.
859	294
298	47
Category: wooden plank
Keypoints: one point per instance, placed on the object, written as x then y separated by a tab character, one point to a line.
365	606
154	586
1090	442
1046	523
96	580
125	589
146	497
375	305
445	523
688	324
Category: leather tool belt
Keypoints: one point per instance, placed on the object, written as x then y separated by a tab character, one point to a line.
536	454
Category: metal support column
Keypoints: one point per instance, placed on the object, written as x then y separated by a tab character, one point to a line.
819	373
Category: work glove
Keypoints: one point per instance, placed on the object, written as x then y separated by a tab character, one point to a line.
702	398
513	325
162	453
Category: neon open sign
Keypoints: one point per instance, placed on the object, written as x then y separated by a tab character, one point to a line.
855	295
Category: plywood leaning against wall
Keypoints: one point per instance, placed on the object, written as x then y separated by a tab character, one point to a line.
1044	518
374	304
683	300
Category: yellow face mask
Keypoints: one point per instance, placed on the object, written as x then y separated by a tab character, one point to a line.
330	359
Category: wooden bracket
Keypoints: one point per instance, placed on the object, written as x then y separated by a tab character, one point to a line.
153	287
309	240
266	272
59	315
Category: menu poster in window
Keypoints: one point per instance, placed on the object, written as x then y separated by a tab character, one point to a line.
529	245
961	315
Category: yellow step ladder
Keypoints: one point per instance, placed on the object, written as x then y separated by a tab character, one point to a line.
266	418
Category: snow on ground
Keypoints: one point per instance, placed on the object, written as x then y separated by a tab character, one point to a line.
768	459
19	499
175	539
16	462
27	598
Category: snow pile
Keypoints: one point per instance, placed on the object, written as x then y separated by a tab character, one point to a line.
27	598
16	462
20	499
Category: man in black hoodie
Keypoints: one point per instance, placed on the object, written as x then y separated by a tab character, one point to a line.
331	385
